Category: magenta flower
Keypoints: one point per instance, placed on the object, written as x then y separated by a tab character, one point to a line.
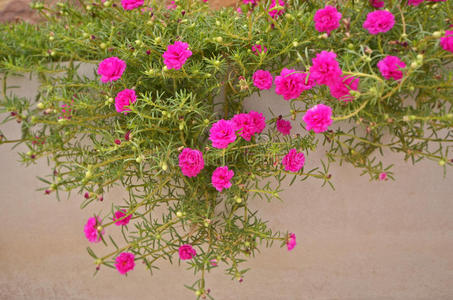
111	69
379	21
221	178
325	69
191	162
341	89
415	2
244	124
257	49
383	176
176	55
91	229
283	126
258	120
118	218
327	19
125	262
446	42
262	79
213	262
378	3
252	2
391	67
222	133
318	118
275	13
131	4
291	242
123	99
293	161
186	251
291	83
172	5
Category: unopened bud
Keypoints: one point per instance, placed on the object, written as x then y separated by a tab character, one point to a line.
437	34
40	105
442	162
219	39
179	214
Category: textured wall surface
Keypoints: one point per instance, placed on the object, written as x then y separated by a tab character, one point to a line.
366	240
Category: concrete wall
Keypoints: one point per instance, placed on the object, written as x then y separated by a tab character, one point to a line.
366	240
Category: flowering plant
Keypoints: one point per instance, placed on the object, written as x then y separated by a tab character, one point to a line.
358	77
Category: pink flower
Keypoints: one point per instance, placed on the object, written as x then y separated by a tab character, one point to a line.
252	2
262	79
244	124
258	120
91	229
239	10
327	19
111	69
257	49
222	133
318	118
379	21
186	251
221	178
176	55
125	98
172	5
383	176
191	162
119	217
391	67
284	126
131	4
275	13
447	41
415	2
213	262
325	69
377	3
293	161
291	83
291	242
341	89
125	262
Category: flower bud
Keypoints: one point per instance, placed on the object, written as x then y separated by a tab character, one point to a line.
437	34
157	40
238	199
350	46
51	38
198	293
103	45
164	166
219	39
89	7
88	174
40	105
107	3
442	162
404	36
295	43
179	214
217	23
99	228
414	65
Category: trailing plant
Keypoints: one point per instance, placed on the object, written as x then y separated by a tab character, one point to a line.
162	116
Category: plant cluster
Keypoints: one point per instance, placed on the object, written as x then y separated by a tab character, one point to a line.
358	77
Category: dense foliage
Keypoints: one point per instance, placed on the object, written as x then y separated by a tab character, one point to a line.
164	147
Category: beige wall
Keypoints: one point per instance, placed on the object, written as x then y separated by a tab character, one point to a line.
366	240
